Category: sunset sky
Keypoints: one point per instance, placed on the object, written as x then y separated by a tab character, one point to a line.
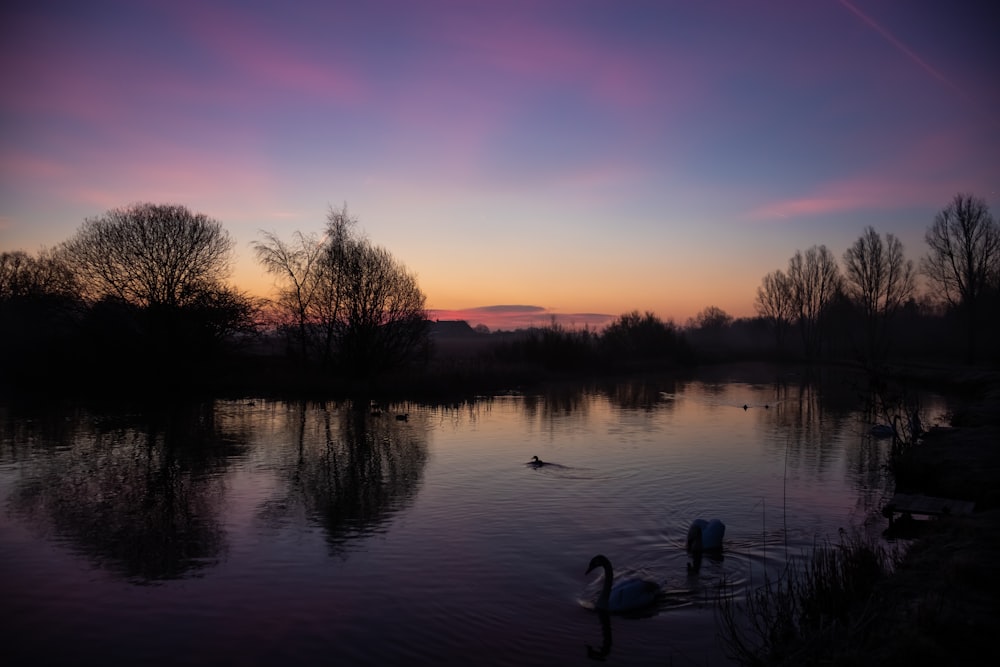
578	158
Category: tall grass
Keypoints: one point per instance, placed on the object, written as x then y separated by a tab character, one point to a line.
821	612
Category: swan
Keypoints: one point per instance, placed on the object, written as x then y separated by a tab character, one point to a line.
626	595
705	535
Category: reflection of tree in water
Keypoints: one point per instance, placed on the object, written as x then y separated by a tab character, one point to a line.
140	497
557	401
811	417
822	419
353	469
552	402
646	394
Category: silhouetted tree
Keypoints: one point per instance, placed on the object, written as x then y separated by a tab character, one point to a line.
383	323
16	274
39	316
776	305
150	255
166	266
634	337
23	276
341	238
219	314
712	318
298	268
352	301
963	259
708	332
814	279
878	280
553	347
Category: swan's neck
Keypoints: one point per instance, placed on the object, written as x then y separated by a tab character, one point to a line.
605	597
694	538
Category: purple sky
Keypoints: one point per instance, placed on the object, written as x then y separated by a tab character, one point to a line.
577	158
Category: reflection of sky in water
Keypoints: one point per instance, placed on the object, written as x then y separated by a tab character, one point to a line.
431	539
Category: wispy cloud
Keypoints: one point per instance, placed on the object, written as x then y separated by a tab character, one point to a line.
927	170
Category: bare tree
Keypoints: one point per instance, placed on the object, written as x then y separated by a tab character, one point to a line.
39	317
24	276
16	274
963	258
775	304
815	280
711	318
633	337
154	277
150	255
353	302
879	281
384	323
297	268
341	240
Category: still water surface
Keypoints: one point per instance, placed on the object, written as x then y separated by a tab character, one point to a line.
259	532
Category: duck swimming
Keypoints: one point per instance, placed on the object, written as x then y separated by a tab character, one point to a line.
625	595
537	462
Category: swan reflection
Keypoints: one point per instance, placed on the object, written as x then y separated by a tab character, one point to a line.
604	649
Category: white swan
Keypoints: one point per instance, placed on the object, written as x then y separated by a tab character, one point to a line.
626	595
705	535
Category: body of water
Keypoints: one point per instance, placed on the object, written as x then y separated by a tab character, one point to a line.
260	532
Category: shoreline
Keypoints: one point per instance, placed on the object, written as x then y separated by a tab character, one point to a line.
941	605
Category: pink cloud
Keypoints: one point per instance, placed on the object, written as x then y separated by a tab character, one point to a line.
525	48
101	82
17	166
925	172
280	63
856	194
223	185
49	81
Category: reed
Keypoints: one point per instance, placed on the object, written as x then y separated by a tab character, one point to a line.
821	611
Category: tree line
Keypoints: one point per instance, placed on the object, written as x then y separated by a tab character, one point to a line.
878	284
139	298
